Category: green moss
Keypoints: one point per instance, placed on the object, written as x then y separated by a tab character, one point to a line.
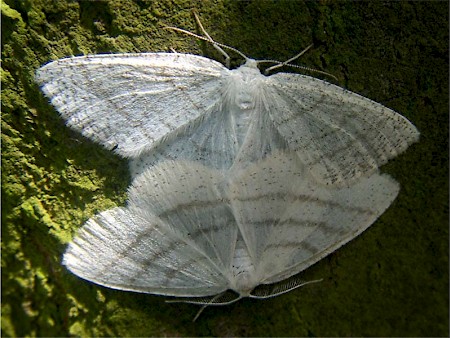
391	281
9	12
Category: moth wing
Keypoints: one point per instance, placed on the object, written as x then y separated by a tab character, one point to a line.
291	222
350	211
212	143
259	196
173	238
121	250
189	198
228	136
338	134
130	102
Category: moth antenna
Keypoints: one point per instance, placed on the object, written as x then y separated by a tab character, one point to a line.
289	60
205	305
275	294
208	38
312	70
199	313
288	63
217	47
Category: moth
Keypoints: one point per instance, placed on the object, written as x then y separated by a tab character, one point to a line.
240	180
192	231
151	107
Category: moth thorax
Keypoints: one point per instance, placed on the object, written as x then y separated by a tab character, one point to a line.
244	85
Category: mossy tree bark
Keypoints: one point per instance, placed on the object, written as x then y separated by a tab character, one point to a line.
392	280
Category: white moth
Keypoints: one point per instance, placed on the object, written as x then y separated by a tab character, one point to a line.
193	231
240	180
154	106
